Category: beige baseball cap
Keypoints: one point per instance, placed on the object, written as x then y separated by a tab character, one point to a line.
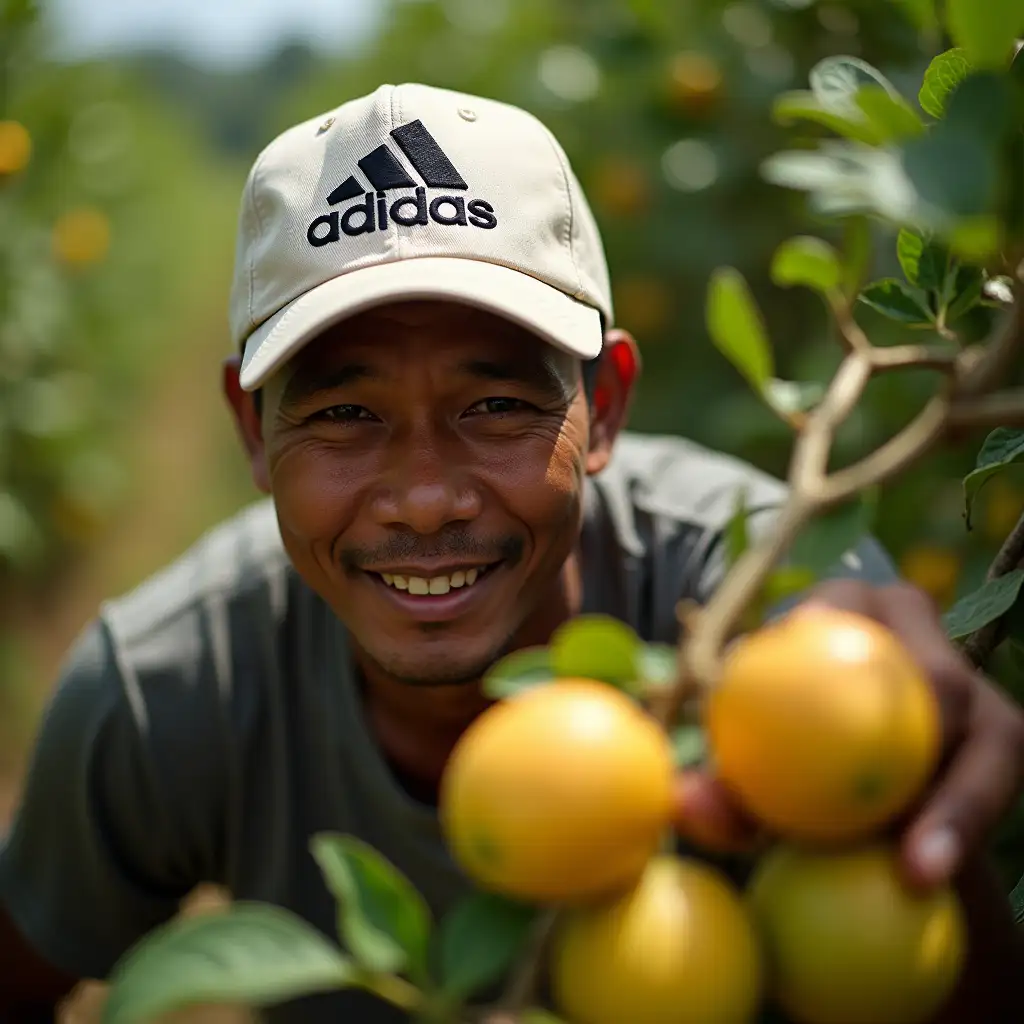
414	192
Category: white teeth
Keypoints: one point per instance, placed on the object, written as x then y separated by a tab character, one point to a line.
437	585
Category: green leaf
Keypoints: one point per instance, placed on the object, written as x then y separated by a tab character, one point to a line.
966	283
821	545
1003	447
1017	902
736	327
898	301
924	262
893	118
597	647
689	746
807	261
250	953
922	13
944	74
479	940
844	178
658	664
857	252
382	919
991	600
520	670
786	581
985	29
800	105
835	82
955	169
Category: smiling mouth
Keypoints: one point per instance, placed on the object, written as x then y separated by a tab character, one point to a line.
435	586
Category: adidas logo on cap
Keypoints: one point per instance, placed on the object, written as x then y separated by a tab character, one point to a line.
385	173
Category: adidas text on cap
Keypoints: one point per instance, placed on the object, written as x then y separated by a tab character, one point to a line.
414	192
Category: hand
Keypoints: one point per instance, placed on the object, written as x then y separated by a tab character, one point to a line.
981	773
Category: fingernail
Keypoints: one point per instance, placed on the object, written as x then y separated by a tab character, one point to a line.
938	852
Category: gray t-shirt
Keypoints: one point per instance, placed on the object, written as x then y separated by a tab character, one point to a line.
207	724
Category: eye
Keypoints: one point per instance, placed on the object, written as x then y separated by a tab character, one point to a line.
343	414
498	406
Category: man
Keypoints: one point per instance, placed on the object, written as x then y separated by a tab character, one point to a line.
431	392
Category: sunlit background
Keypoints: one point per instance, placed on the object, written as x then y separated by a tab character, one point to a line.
128	128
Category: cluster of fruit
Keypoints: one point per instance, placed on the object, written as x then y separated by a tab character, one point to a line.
825	729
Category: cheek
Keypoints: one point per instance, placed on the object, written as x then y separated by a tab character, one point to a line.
542	483
315	493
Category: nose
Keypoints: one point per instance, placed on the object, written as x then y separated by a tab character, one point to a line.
424	489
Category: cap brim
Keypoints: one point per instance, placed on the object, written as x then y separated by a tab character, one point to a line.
556	317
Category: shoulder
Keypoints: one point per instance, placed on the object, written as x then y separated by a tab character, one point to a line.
679	479
239	563
187	652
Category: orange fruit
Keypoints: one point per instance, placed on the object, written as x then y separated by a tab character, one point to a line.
823	725
848	943
559	793
15	147
679	947
694	84
81	236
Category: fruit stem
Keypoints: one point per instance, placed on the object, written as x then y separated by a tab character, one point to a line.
962	401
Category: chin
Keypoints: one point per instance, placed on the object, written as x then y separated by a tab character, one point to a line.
437	660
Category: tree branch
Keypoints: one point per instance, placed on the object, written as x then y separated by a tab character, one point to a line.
962	401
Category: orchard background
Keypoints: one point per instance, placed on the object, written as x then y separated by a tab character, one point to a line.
119	185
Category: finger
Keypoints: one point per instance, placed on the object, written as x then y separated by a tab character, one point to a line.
911	614
707	814
981	784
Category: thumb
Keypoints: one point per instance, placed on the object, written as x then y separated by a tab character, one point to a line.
708	815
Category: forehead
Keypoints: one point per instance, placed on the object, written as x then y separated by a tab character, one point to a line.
443	334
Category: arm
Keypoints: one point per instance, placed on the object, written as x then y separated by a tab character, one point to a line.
93	859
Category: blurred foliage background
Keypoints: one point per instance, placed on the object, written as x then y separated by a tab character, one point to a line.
119	185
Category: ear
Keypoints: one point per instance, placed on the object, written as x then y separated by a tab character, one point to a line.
247	420
617	373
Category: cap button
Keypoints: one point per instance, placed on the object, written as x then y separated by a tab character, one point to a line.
466	114
327	124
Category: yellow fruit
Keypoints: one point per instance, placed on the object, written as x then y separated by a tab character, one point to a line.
823	725
559	793
934	569
15	147
81	236
679	948
848	943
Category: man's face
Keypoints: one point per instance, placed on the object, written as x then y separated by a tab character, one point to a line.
427	463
